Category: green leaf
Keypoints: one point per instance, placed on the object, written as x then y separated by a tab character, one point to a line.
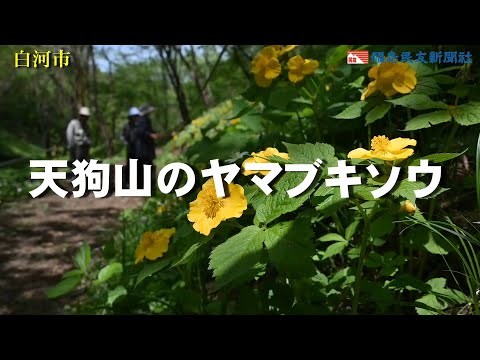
418	102
150	269
437	158
436	244
337	55
64	287
437	283
328	199
331	237
427	120
114	294
279	203
352	112
364	191
83	257
452	296
290	249
350	230
308	153
382	226
406	189
237	258
426	86
467	114
108	272
421	69
70	273
430	301
377	112
444	79
461	90
281	96
334	249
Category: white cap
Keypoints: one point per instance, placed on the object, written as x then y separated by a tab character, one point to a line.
84	111
133	112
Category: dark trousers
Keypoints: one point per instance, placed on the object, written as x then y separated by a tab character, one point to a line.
80	153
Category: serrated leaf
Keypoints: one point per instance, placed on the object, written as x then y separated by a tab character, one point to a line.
352	112
150	269
63	287
83	257
406	189
331	237
418	102
116	293
237	258
467	114
334	249
290	249
108	272
279	203
427	120
426	86
421	69
437	158
309	153
377	112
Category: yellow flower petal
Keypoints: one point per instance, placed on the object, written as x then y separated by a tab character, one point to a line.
398	144
295	77
273	69
371	88
295	63
261	157
408	207
373	72
360	153
310	66
401	87
208	211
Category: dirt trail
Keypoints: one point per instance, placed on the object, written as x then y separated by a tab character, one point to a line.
38	238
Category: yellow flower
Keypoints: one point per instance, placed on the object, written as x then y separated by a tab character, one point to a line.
260	157
160	209
298	68
207	211
385	149
265	66
283	49
235	121
408	207
390	79
153	244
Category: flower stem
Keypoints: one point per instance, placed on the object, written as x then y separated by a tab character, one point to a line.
361	259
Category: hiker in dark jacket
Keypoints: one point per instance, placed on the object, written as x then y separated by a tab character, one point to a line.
128	138
145	138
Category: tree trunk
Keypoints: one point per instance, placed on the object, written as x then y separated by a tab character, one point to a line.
98	114
203	91
165	52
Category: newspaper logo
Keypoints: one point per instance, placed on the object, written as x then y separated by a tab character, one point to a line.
357	57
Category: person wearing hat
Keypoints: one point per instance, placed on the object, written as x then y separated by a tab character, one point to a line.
145	138
128	138
78	140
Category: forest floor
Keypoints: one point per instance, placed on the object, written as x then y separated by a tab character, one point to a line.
38	239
